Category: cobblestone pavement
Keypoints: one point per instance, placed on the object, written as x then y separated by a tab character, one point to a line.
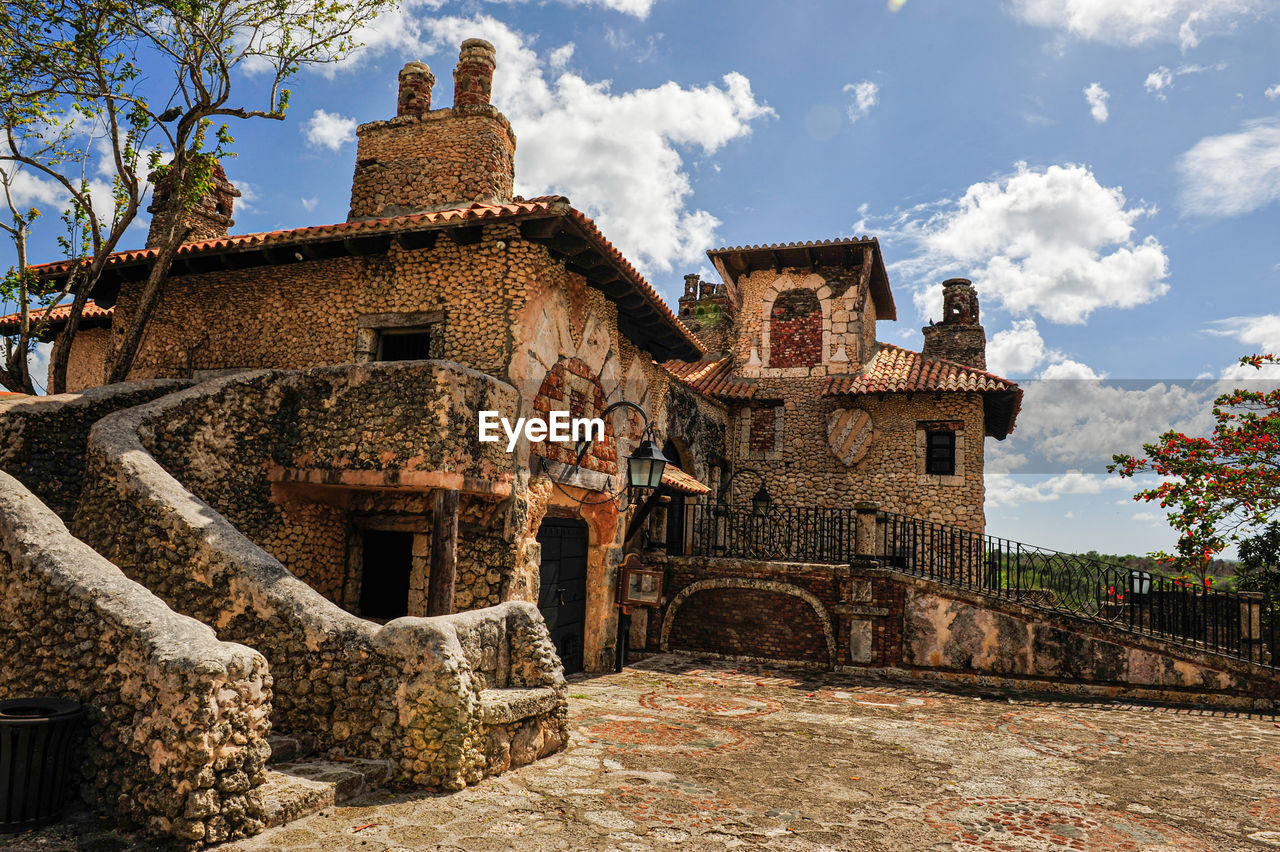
702	754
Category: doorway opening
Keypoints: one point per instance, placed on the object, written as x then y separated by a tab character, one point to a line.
562	597
387	562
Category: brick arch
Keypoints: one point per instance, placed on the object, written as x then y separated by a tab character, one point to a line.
781	286
768	586
570	385
795	329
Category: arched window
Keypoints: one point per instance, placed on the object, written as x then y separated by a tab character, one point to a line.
795	329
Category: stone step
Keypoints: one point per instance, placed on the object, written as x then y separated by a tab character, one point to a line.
287	748
504	706
297	789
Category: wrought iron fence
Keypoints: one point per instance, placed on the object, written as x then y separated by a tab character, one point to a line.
1236	624
782	533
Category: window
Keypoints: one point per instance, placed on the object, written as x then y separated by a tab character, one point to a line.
795	329
405	345
409	336
940	453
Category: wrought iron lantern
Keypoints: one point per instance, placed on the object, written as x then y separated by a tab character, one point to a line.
646	465
761	501
1140	582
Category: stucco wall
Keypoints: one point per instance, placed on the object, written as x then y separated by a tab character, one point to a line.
178	719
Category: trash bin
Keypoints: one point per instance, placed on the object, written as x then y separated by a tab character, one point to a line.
37	746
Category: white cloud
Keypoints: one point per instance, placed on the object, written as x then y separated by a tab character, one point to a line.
1234	173
329	130
621	157
1259	334
1159	80
309	204
1184	21
561	56
1004	490
1273	92
1053	242
31	190
866	94
1097	98
1017	350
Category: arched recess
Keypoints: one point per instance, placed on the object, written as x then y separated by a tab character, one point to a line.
808	597
782	284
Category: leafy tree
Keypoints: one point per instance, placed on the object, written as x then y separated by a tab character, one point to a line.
138	85
1259	569
1216	488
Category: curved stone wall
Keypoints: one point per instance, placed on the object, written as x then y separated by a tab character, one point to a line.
405	691
178	718
42	438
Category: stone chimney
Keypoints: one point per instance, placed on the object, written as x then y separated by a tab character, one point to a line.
416	82
959	337
208	219
424	159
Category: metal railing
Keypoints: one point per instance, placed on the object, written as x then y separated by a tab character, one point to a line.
1236	624
791	534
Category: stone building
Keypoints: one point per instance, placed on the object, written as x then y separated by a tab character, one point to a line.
294	476
775	370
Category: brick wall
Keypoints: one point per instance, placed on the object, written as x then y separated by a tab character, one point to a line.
572	386
750	622
795	330
764	424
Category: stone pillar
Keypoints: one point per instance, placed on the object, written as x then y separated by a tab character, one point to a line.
1251	625
416	82
864	539
473	76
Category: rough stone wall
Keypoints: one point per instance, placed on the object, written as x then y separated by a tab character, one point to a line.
404	691
433	161
178	719
87	366
803	470
962	344
905	626
42	439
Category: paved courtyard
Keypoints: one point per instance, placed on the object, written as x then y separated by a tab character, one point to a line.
701	754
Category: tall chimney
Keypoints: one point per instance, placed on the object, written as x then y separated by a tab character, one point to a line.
416	82
208	219
425	160
958	337
473	77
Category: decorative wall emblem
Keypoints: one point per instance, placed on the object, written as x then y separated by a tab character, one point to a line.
849	433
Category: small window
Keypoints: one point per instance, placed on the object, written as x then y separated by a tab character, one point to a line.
940	449
407	345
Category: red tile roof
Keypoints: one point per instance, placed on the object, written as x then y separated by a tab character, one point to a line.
893	369
9	324
535	208
713	378
896	370
677	480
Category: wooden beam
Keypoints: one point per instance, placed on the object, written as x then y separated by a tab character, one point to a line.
466	235
812	254
444	553
777	261
541	229
414	240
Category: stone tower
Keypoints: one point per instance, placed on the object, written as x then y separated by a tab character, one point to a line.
425	159
208	219
959	337
705	309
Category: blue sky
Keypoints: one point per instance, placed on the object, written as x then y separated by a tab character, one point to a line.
1107	174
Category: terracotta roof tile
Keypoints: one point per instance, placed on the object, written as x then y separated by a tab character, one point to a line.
713	378
677	480
894	369
845	241
9	324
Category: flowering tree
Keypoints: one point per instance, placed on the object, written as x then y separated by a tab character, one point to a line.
1216	488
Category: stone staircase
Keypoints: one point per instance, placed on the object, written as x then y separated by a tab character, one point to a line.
299	783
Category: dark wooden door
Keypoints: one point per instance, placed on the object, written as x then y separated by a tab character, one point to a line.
563	596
